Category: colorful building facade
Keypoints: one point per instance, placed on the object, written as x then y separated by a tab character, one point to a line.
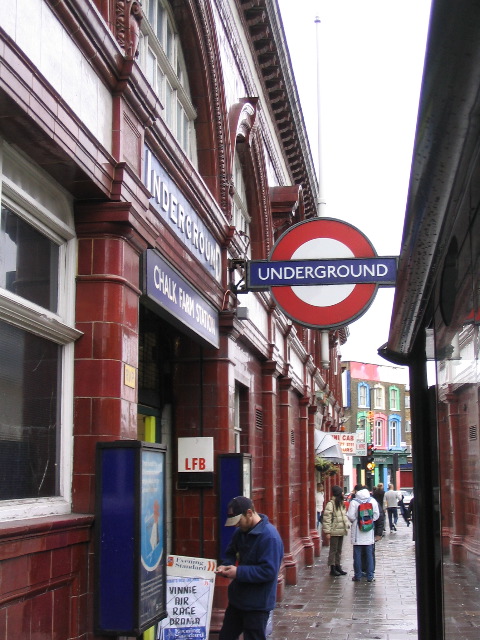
375	410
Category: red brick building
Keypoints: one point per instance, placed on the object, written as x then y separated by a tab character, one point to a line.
146	152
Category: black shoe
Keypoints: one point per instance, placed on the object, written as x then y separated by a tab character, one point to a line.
333	571
394	528
355	579
340	570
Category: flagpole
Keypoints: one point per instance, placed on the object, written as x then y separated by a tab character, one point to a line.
321	204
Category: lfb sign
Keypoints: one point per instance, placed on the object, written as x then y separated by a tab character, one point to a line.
195	455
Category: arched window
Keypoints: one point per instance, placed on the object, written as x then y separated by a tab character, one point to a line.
394	399
378	397
162	61
378	434
394	432
240	217
363	395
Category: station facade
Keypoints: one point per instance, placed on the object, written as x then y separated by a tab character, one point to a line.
146	151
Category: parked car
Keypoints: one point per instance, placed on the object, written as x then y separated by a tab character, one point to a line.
407	493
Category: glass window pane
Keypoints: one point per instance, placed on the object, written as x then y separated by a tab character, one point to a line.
179	121
185	132
151	11
169	50
160	22
28	261
151	68
169	105
29	377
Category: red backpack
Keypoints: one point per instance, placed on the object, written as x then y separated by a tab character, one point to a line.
365	516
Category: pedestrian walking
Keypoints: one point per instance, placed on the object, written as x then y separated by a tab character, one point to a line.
252	561
404	510
362	513
320	499
391	503
335	528
379	495
410	515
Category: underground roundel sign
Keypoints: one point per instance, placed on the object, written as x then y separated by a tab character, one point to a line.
323	273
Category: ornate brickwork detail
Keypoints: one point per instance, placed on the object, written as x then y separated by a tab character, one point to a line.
127	25
263	195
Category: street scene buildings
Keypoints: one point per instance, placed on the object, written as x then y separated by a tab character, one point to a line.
375	402
148	151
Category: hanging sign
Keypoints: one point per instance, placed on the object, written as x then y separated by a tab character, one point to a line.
323	273
347	442
190	585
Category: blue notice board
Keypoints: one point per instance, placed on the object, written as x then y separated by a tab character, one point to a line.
130	537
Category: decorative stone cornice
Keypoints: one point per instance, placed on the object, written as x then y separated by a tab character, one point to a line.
269	50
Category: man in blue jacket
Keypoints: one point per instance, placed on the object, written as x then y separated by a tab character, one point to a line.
252	562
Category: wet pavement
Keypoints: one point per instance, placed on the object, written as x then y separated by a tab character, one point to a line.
321	607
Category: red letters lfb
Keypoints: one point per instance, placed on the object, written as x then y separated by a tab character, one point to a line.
195	464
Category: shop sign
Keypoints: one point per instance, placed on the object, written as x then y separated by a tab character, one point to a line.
347	442
180	216
178	300
190	586
361	448
195	454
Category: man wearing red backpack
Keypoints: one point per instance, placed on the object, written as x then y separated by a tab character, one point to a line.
362	513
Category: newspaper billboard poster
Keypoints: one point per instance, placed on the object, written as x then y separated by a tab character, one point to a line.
190	585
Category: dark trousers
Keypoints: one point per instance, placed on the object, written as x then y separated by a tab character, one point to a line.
392	517
252	623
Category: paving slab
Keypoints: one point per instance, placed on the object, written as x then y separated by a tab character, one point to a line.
322	607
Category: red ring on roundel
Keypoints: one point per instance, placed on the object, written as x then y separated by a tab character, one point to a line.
348	309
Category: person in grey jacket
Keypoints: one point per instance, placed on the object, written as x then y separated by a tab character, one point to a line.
362	541
335	528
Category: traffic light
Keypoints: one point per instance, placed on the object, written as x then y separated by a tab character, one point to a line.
370	464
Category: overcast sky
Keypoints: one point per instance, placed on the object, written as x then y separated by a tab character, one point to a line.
371	54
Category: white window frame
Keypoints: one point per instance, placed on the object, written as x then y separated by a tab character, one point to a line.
166	69
394	430
240	217
32	195
394	393
378	397
378	430
236	420
363	389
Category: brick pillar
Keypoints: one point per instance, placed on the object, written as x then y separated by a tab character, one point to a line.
285	500
106	355
306	480
219	393
312	485
270	462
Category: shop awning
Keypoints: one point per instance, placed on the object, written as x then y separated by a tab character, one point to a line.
327	447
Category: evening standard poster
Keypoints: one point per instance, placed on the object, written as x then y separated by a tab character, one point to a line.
190	584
